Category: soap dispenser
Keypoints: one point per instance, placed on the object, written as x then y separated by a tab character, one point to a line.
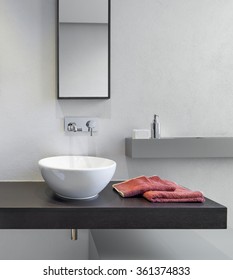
155	127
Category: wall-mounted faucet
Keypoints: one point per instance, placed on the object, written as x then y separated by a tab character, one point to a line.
80	124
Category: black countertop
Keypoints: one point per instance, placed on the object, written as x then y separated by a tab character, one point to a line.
32	205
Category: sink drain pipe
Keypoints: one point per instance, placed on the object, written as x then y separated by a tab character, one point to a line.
74	234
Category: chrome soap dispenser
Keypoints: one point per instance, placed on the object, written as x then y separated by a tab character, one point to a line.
155	127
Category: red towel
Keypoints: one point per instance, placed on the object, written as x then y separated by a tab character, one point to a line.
163	185
142	184
179	195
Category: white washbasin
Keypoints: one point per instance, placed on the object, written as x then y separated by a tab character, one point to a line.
77	177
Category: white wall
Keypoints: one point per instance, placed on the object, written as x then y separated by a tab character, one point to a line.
44	245
30	126
173	58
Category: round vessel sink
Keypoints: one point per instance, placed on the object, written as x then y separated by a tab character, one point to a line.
77	177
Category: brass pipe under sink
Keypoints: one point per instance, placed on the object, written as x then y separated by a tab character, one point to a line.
74	234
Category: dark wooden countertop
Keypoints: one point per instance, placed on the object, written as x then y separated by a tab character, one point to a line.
32	205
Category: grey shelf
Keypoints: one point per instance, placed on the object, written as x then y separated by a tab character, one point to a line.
187	147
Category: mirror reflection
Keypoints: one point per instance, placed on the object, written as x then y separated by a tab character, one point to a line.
83	49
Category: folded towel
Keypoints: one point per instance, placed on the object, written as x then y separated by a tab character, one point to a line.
162	185
139	185
179	195
176	187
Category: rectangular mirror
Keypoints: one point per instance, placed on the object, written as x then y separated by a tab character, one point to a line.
83	49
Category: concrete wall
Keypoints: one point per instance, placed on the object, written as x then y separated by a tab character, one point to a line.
173	58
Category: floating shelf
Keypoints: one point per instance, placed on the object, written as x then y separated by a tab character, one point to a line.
32	205
186	147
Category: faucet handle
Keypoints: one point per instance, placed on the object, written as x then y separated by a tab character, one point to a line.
91	124
73	127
